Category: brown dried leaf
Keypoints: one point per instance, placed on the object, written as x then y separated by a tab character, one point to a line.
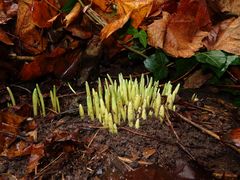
225	36
157	30
9	126
37	152
137	10
231	6
42	12
183	30
197	79
32	40
8	9
148	152
4	38
72	16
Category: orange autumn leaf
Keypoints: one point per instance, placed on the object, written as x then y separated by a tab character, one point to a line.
181	34
29	35
102	4
225	36
42	11
137	10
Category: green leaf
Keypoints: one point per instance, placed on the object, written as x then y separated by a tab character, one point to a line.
214	58
236	60
156	63
142	36
68	6
218	61
131	30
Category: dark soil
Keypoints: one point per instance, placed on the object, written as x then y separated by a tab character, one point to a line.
83	149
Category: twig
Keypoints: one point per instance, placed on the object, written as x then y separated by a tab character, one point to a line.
21	58
135	132
50	164
208	132
93	16
178	139
132	49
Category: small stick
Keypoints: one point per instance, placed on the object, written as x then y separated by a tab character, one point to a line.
208	132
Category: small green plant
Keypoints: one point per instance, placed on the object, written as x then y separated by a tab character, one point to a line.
55	100
38	101
13	102
128	101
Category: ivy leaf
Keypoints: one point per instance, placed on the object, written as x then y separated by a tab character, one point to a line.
142	36
131	30
217	60
156	63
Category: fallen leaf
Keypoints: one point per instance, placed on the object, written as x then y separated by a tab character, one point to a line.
136	10
182	33
4	37
231	6
9	126
8	9
148	152
37	152
72	16
234	136
157	31
196	80
42	12
225	36
104	5
42	65
30	37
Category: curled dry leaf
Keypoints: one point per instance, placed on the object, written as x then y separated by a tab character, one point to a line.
72	16
225	36
231	6
137	10
182	33
30	37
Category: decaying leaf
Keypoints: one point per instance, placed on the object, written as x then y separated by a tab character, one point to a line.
4	38
197	79
157	30
136	10
225	36
30	37
73	14
42	12
8	9
184	30
231	6
9	126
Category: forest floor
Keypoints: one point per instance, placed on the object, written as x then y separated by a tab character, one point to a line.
193	143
